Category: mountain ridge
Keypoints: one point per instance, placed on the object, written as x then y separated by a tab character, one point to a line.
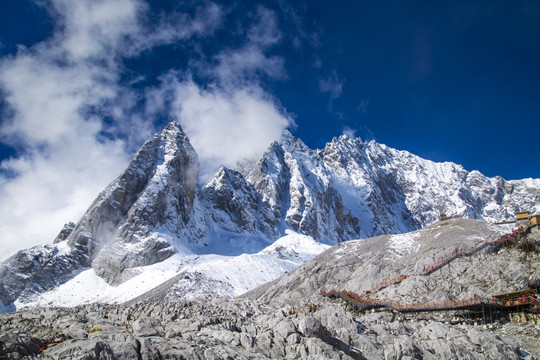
350	189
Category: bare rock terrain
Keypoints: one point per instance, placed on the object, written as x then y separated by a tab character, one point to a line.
289	319
221	328
360	265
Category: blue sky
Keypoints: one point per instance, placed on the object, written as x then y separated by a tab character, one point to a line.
84	83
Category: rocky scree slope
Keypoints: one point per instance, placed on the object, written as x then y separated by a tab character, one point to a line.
350	189
362	265
222	328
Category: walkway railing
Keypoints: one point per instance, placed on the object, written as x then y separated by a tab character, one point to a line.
363	303
449	258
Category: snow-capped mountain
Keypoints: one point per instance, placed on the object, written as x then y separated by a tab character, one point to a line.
154	215
355	189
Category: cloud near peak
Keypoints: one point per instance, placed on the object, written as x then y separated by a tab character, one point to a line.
227	127
75	121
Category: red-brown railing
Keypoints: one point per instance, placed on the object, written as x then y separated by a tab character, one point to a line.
449	258
363	303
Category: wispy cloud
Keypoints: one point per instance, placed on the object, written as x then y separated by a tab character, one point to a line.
358	130
232	118
252	60
349	132
363	106
332	85
72	118
227	127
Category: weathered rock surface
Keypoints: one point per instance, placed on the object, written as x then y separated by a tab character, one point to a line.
361	265
36	270
236	329
355	189
234	205
157	190
65	232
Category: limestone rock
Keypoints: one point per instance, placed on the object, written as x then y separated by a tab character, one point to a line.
225	328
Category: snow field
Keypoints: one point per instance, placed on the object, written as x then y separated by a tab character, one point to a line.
243	272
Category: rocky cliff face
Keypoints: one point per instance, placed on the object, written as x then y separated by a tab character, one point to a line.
298	189
116	233
350	189
355	189
234	205
154	195
156	190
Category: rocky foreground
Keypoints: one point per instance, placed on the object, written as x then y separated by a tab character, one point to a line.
221	328
288	318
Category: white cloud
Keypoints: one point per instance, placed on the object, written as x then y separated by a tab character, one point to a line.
247	64
47	98
232	119
177	26
58	91
265	31
227	127
90	28
238	66
349	132
53	188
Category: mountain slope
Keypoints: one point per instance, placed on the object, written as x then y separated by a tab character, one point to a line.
155	209
403	269
288	319
355	189
184	276
115	234
476	270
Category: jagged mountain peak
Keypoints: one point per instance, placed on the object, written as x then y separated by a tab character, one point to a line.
292	143
287	135
350	189
161	199
164	161
345	138
174	127
224	174
116	234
